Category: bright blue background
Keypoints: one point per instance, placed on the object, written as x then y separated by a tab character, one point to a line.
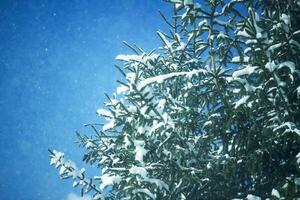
56	61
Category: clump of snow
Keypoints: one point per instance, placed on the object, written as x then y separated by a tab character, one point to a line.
121	89
298	159
275	193
243	100
56	158
145	191
245	71
143	58
251	41
243	33
221	35
136	170
162	78
105	113
285	18
252	197
165	40
202	23
290	127
238	59
208	166
271	66
140	151
127	142
258	35
159	183
75	173
89	144
109	180
288	64
156	126
111	124
176	1
207	123
273	47
67	167
130	76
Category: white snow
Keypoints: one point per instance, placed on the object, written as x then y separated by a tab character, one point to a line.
252	197
161	103
62	170
208	166
75	183
243	33
146	191
167	43
247	86
237	59
113	102
275	193
138	171
247	50
245	71
105	113
270	66
143	58
243	100
203	22
251	41
221	35
298	91
89	144
220	22
111	124
109	180
156	126
56	158
258	35
77	173
291	127
274	47
298	159
127	142
207	123
288	64
140	151
162	78
176	1
121	89
128	58
159	183
177	5
130	76
285	18
182	196
215	115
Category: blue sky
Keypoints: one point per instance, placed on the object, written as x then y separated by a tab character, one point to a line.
56	62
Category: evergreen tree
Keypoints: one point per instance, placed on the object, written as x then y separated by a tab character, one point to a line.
213	114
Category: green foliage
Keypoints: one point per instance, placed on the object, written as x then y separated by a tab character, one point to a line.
213	114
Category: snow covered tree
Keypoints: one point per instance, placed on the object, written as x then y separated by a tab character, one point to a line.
213	114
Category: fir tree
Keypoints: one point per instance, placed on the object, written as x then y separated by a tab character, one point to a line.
213	114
